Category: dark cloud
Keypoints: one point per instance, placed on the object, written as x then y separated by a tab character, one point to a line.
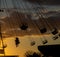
48	2
52	2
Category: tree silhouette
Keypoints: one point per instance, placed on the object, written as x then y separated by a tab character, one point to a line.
32	54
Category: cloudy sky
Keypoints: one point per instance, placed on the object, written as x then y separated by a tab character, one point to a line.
50	5
24	4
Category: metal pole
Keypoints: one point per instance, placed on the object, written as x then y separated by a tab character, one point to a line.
2	39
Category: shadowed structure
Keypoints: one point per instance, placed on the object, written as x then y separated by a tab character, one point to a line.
50	50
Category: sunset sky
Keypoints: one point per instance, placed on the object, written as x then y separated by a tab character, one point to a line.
26	40
25	44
